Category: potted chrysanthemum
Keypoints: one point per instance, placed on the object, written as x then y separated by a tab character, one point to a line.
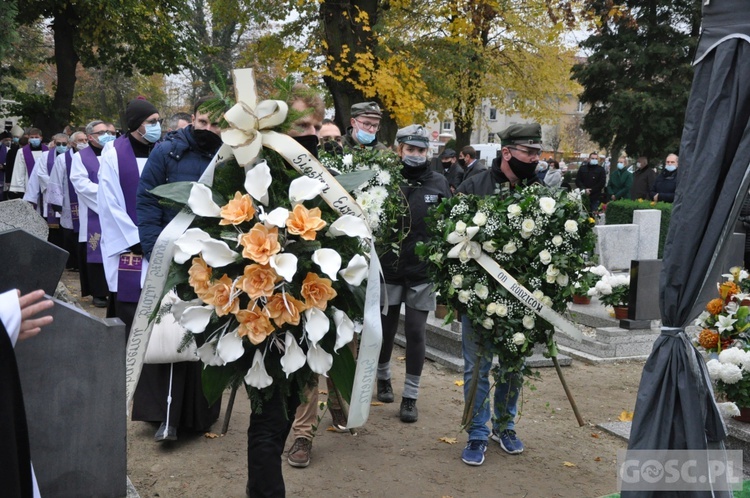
731	373
613	290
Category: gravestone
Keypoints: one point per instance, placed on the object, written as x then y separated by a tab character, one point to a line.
617	245
73	378
29	263
20	214
643	301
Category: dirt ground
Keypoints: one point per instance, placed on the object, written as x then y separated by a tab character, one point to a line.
389	458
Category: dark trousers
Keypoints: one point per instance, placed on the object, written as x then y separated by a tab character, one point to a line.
266	438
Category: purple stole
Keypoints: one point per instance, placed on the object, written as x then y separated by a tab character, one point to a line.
29	157
3	153
94	228
51	218
72	196
129	271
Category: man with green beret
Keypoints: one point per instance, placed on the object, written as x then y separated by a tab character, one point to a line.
365	123
515	166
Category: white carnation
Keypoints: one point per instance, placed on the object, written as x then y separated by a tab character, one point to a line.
348	159
730	374
557	240
479	219
518	339
464	296
528	322
514	210
545	257
384	177
481	291
547	205
571	226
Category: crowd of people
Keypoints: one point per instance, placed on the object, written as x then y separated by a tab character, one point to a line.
93	185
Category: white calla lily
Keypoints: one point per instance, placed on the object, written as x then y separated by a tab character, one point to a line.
304	188
201	202
285	265
356	271
217	253
276	218
196	318
319	360
189	244
351	226
294	358
344	329
230	347
329	261
257	181
257	375
316	324
208	355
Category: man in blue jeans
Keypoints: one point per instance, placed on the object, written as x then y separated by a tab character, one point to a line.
514	167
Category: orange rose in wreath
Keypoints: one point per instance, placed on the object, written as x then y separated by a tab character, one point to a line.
258	281
260	243
254	324
283	308
317	291
237	210
220	296
200	276
304	222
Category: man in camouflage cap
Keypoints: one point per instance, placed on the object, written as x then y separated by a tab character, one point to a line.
365	123
514	166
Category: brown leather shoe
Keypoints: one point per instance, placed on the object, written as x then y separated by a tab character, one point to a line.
299	453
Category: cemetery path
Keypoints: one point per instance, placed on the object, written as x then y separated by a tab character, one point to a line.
390	458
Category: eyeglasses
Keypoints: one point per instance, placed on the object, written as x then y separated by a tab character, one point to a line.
528	152
369	126
336	139
61	143
102	133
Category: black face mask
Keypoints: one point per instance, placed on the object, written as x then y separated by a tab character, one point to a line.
207	140
521	169
447	165
462	162
310	143
333	148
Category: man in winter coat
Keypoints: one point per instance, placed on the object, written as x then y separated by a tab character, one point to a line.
643	179
665	184
591	179
620	181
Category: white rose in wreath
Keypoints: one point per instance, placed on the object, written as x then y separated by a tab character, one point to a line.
489	246
571	226
514	210
557	240
545	257
457	281
562	279
479	219
518	338
481	291
547	301
488	323
528	225
551	279
552	271
538	294
461	227
547	205
502	310
509	248
528	322
464	296
491	308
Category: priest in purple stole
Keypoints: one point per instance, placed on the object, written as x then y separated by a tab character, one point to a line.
183	156
24	163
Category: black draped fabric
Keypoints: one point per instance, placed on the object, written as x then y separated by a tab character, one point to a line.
15	461
675	407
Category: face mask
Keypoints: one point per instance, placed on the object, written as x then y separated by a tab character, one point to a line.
333	148
670	168
81	146
413	161
447	165
153	132
207	140
15	140
521	169
593	162
462	162
620	165
61	149
35	142
365	137
310	143
105	139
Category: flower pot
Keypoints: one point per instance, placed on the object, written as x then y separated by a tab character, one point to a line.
441	311
621	312
744	415
578	299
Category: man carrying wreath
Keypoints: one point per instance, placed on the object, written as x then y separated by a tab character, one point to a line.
515	166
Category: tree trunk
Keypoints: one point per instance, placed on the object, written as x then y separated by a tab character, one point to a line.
53	120
340	30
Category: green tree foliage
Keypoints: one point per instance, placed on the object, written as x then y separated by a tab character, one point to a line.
637	77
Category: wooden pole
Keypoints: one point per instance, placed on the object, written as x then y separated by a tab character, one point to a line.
567	392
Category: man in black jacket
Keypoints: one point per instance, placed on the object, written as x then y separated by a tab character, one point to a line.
447	165
591	179
665	184
515	166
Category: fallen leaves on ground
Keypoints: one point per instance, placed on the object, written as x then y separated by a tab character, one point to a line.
594	434
376	403
625	416
320	391
401	358
598	459
459	383
210	435
449	440
570	464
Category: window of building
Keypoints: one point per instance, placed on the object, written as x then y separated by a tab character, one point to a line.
447	125
580	106
493	114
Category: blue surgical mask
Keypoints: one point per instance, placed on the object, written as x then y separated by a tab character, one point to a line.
61	149
593	162
15	140
620	165
35	142
153	132
670	168
105	139
365	137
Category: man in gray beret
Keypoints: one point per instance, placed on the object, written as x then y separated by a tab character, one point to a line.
365	123
515	166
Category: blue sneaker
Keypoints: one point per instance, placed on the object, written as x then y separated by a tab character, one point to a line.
473	454
508	441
